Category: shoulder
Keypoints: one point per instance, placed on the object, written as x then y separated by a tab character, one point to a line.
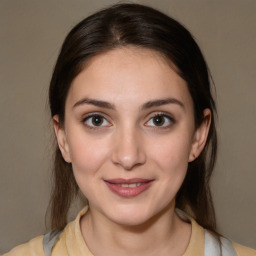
198	240
244	251
69	239
32	248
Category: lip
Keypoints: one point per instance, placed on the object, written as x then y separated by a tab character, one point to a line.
115	185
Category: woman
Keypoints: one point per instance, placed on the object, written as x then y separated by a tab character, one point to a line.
133	115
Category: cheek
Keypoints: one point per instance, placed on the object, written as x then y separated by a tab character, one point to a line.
87	155
172	161
172	153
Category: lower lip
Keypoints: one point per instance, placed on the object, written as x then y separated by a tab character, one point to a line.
128	192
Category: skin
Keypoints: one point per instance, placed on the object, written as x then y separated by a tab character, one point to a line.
128	143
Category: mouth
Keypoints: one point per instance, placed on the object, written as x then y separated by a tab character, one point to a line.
128	187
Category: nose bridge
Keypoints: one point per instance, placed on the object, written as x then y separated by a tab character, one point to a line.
128	151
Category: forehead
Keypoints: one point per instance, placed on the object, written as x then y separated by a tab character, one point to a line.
128	74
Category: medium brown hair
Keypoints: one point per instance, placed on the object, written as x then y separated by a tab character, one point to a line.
136	25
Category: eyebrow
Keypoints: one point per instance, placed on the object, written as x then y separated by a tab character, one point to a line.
97	103
147	105
161	102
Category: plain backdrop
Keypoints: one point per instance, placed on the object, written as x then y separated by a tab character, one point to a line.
31	33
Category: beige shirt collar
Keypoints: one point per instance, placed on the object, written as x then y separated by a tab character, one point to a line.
72	243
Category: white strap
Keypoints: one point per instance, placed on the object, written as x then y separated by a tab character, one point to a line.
212	248
48	242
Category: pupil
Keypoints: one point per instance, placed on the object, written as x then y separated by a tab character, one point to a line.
158	120
97	120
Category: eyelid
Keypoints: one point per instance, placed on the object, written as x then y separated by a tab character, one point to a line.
161	114
91	115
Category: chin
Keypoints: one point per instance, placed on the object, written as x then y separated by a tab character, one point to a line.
131	221
131	216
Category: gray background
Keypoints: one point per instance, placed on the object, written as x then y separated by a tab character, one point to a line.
31	33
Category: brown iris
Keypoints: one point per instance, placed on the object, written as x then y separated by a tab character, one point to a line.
158	120
97	120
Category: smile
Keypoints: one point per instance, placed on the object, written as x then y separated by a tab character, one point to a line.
133	185
128	188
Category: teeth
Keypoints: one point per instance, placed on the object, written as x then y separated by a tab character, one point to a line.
132	185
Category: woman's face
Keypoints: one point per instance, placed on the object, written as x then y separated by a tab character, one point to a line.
129	133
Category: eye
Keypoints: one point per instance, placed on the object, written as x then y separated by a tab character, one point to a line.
160	120
96	120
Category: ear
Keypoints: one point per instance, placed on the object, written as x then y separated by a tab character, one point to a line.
61	139
200	136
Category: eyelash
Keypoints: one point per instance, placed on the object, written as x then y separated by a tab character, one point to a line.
166	117
93	115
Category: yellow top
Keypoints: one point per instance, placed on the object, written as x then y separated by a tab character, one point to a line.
71	243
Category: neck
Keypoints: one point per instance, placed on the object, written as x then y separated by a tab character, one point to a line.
163	234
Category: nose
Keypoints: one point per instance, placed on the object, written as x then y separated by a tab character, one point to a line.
128	149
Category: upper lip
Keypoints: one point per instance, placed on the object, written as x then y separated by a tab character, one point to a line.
127	181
